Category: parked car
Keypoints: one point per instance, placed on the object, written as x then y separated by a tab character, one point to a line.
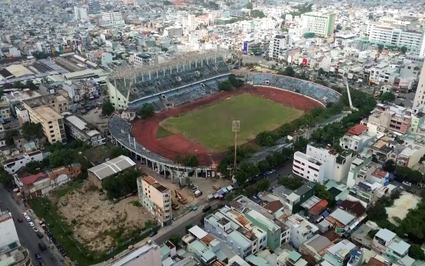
35	229
20	219
38	256
40	235
407	183
153	233
31	224
42	246
206	208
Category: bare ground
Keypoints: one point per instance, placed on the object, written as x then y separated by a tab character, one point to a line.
97	220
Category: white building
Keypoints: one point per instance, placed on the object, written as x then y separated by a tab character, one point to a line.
396	36
301	229
112	19
79	130
419	100
318	23
14	164
308	167
278	46
80	14
8	234
148	254
155	198
357	138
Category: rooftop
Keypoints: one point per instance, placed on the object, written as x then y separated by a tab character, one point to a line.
319	207
135	254
357	130
112	167
385	235
47	113
152	181
353	207
342	216
29	180
399	246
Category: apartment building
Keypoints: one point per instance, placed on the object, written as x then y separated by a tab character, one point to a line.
321	163
396	36
419	100
148	254
79	129
155	198
318	23
357	138
100	172
236	230
300	229
11	251
388	243
293	199
112	19
22	115
141	60
339	253
391	117
308	167
14	164
47	110
5	114
290	258
278	46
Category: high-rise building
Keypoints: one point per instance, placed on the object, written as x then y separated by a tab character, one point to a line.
112	19
396	36
148	254
278	46
155	198
318	23
47	110
80	14
419	100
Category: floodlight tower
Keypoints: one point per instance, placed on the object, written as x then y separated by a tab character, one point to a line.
236	127
349	94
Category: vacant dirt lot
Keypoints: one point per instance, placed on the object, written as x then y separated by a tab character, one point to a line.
97	221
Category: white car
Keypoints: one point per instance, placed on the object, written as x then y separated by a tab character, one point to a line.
407	183
28	218
31	224
35	229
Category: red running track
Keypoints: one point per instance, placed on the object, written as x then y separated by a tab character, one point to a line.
169	147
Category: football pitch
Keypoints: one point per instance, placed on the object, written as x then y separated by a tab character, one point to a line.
211	126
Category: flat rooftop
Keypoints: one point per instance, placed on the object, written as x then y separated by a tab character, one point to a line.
47	113
152	181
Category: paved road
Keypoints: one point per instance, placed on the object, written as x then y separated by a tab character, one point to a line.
26	234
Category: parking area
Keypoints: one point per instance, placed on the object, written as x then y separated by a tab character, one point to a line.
203	185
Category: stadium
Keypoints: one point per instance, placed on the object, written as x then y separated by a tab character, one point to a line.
193	117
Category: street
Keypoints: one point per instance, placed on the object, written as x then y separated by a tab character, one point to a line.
27	236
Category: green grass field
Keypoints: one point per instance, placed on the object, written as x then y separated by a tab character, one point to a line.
212	126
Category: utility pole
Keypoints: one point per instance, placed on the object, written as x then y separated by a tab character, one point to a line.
236	127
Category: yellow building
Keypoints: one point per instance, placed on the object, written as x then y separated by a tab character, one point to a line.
47	110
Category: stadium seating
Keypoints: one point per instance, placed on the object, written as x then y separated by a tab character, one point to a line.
173	78
306	88
121	131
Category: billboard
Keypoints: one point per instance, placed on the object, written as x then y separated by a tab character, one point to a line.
245	47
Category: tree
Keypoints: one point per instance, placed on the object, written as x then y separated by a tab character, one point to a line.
265	138
289	71
118	151
292	183
146	111
225	86
257	14
107	108
262	185
320	72
263	166
121	184
322	193
235	81
190	160
241	177
403	49
6	179
175	239
249	6
249	168
30	84
380	48
32	130
377	212
387	97
10	135
416	252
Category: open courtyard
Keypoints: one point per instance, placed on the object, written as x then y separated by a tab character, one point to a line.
211	126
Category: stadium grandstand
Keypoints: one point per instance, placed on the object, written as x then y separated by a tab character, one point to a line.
185	78
306	88
120	132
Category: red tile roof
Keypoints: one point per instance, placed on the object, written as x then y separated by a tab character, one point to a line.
354	207
379	173
357	130
375	262
28	180
319	207
274	206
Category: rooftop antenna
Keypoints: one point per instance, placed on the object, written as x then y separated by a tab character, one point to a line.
349	94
